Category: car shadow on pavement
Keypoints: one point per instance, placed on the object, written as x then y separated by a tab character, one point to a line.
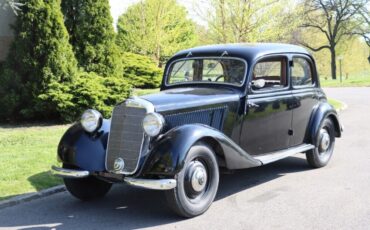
127	207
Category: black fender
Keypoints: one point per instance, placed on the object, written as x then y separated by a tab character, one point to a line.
167	157
320	112
84	150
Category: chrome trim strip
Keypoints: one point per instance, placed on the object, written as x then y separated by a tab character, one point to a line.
69	173
275	156
159	184
133	101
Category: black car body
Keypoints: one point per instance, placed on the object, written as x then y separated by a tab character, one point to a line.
233	106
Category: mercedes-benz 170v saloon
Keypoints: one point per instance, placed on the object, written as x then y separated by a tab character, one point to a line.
226	107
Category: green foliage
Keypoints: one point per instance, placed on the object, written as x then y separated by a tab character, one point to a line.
93	91
92	36
141	71
235	21
89	91
40	56
155	28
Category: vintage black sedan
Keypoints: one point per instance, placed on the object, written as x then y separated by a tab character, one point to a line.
226	107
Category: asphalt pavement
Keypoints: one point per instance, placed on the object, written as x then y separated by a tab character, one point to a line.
283	195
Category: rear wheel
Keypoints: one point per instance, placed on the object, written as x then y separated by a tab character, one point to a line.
197	183
88	188
325	139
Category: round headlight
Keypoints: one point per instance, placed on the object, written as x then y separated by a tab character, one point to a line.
91	120
153	124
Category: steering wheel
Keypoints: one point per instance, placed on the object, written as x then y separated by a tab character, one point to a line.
219	77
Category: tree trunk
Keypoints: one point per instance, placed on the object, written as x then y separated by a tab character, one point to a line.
333	64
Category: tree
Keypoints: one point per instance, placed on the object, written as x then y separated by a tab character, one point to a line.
333	19
92	36
39	57
249	20
155	28
13	4
362	27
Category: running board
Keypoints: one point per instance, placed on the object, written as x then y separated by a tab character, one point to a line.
275	156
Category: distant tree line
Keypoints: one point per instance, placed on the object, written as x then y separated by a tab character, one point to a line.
66	56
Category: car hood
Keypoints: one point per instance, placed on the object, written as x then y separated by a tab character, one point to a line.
182	98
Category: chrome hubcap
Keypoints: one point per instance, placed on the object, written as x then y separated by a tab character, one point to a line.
324	140
199	177
196	179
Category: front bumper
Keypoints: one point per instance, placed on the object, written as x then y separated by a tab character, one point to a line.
156	184
69	173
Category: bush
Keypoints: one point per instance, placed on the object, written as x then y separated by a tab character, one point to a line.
88	91
141	71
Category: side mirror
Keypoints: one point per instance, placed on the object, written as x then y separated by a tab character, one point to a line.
260	83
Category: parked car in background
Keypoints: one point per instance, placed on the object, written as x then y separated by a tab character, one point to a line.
230	106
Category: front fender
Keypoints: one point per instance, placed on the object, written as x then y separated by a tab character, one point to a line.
167	157
84	150
323	110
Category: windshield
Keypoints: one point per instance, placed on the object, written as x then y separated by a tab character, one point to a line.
215	70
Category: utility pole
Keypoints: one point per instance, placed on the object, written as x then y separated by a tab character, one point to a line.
340	58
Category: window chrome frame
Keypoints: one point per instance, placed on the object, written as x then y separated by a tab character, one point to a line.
205	82
313	74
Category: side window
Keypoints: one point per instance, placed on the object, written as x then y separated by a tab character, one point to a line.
301	72
270	74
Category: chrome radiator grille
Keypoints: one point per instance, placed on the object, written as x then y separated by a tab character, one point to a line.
126	138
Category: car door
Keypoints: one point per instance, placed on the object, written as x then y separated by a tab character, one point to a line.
305	93
267	120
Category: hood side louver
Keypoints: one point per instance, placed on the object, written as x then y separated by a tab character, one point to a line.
213	117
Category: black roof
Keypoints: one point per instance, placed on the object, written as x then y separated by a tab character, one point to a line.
247	51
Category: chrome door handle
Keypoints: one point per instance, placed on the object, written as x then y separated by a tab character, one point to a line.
252	105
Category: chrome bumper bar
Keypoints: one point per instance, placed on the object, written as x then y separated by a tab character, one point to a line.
156	184
69	173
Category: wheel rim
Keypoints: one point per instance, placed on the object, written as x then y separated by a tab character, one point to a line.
325	144
196	179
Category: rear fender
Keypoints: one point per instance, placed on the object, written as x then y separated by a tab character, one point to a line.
320	112
84	150
167	157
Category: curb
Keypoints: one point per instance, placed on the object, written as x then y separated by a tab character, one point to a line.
32	196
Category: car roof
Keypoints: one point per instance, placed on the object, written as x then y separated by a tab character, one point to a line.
248	51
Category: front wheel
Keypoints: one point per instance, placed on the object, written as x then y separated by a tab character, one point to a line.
197	183
88	188
325	140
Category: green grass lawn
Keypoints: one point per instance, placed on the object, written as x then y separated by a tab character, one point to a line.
355	81
26	154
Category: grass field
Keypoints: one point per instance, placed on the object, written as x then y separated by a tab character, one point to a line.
357	81
27	152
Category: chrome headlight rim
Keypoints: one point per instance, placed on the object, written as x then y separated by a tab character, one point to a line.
94	117
161	122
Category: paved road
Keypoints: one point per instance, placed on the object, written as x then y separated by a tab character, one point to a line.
283	195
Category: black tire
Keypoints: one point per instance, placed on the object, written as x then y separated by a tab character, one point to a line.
184	199
320	156
88	188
